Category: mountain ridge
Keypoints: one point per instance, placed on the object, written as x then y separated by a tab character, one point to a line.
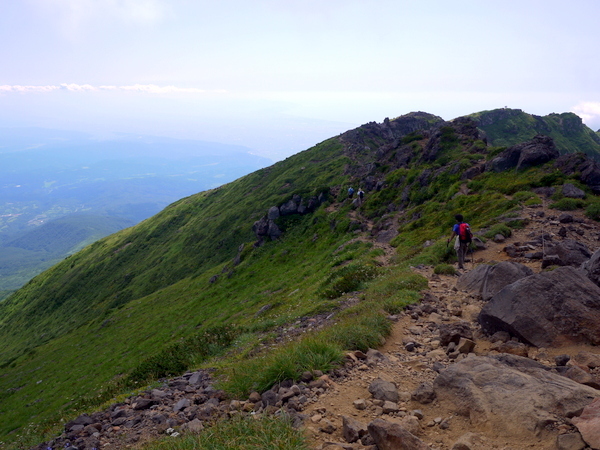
151	285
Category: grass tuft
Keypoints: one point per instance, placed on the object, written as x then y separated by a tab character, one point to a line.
239	433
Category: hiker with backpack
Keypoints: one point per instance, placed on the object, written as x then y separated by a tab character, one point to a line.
361	195
350	192
462	232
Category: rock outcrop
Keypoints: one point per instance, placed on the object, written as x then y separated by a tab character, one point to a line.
535	152
511	394
548	309
486	280
266	226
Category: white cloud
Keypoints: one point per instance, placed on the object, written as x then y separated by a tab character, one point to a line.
154	89
76	14
141	88
588	111
19	88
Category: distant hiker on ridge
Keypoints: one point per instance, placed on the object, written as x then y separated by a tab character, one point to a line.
350	192
361	195
462	231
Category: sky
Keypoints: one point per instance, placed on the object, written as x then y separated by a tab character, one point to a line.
279	76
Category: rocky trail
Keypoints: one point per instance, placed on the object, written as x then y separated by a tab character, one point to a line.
401	396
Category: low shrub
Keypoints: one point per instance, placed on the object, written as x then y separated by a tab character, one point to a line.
567	204
592	211
240	433
396	303
347	279
500	228
178	357
444	269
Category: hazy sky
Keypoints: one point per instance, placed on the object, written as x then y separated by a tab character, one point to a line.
280	76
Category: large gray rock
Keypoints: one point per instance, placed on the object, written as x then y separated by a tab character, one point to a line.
587	169
569	252
289	207
384	390
592	268
486	280
510	394
273	213
352	429
572	191
549	309
392	436
538	150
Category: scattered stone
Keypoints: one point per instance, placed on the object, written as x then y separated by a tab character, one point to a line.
424	394
391	436
468	441
571	441
352	429
327	426
384	390
390	407
453	332
465	345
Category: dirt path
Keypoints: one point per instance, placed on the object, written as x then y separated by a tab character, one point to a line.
408	369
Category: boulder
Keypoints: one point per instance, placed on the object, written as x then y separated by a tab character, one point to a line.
510	394
453	332
587	169
289	207
592	268
572	191
273	213
392	436
424	394
384	390
571	441
352	429
261	227
588	424
549	309
569	252
538	150
487	280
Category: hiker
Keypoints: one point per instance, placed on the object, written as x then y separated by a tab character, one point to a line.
350	192
462	232
361	195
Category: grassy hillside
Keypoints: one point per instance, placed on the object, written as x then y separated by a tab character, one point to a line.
189	283
506	127
31	252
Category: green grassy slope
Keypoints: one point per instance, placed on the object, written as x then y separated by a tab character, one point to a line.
32	252
138	304
506	127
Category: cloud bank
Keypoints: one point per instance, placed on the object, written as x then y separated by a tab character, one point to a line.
72	87
588	111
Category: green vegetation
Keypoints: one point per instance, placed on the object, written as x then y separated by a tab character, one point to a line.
266	433
189	288
500	228
30	253
592	211
567	204
444	269
506	127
